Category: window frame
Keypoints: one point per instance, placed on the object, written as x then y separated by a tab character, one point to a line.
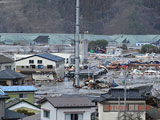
46	115
24	96
38	61
49	67
31	62
40	67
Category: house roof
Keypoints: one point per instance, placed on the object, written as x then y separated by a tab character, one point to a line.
12	115
13	103
51	57
11	74
114	94
18	88
33	117
41	39
4	59
69	101
46	56
3	97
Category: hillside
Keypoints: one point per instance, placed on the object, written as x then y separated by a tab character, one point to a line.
97	16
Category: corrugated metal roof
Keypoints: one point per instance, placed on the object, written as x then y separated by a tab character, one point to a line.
50	57
56	38
17	88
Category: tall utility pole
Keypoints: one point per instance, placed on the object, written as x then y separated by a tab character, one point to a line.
125	97
77	45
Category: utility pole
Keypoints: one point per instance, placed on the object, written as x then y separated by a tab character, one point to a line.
118	108
125	96
77	44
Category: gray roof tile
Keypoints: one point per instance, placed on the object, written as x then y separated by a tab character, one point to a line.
11	74
69	101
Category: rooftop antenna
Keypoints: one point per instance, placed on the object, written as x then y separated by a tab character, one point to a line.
77	45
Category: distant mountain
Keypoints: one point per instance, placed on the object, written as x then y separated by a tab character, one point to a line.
97	16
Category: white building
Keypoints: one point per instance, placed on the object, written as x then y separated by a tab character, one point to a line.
66	108
113	51
141	44
111	105
69	58
42	66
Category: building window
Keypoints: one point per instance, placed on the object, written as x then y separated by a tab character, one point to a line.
73	116
8	67
49	66
40	66
22	66
27	66
33	66
39	61
21	95
67	60
31	61
46	113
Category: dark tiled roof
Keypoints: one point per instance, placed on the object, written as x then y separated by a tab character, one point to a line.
69	101
13	115
10	74
33	117
42	39
50	57
4	59
114	94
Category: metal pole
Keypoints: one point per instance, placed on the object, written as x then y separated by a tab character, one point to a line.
77	45
125	98
118	108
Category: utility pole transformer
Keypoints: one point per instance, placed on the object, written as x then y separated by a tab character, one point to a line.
77	60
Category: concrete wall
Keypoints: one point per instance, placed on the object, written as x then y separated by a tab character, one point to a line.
48	106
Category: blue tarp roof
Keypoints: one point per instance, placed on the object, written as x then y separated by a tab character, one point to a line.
50	57
17	88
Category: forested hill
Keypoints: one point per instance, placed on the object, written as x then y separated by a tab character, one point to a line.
97	16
